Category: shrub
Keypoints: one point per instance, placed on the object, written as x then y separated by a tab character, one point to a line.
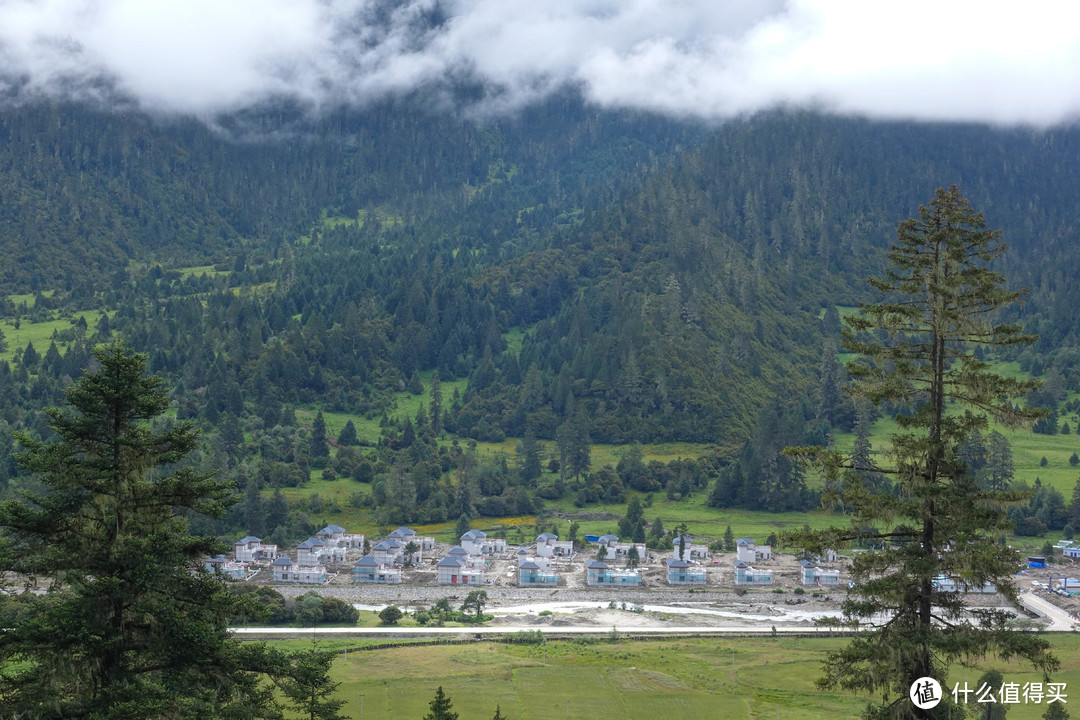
390	615
800	591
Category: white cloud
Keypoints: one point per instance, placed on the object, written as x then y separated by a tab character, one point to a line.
954	60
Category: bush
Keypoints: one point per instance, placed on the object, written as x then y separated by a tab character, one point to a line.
390	615
800	591
778	591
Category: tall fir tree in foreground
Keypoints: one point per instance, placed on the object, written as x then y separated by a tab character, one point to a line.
440	707
131	625
939	302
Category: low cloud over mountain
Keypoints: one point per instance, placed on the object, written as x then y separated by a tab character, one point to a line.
695	58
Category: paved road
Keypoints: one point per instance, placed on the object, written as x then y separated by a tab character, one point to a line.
490	630
1059	619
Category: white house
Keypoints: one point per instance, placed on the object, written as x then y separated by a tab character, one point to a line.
746	575
453	570
284	570
389	551
314	551
681	572
948	584
331	533
549	545
252	549
476	542
473	541
598	573
544	563
406	535
1071	552
368	570
747	551
226	568
337	536
470	561
532	574
692	552
615	549
811	574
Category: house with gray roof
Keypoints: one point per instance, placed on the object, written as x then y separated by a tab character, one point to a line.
549	545
681	572
599	573
252	549
283	570
748	551
455	570
615	549
691	552
531	574
337	536
747	575
367	570
226	568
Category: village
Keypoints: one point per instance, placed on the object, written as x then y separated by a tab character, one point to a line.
353	567
335	557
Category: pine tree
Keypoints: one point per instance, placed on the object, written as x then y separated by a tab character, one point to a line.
440	707
529	452
318	448
348	434
134	626
436	403
939	296
1074	506
308	687
998	473
254	514
729	539
277	510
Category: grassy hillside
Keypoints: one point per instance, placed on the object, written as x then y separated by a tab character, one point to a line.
738	678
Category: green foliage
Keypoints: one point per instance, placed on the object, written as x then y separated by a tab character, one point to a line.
938	294
440	707
133	625
390	615
318	448
347	436
474	602
308	688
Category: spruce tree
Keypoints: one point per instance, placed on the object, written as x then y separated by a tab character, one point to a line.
309	689
440	707
318	448
939	300
348	434
132	625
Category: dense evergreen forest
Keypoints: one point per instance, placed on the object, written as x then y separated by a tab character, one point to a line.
568	274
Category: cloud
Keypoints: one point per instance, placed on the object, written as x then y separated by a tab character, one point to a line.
921	59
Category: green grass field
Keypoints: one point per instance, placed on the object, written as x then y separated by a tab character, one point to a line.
41	333
630	679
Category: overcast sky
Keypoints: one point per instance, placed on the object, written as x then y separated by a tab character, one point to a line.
710	59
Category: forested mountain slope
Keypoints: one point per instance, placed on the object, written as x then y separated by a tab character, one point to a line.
664	282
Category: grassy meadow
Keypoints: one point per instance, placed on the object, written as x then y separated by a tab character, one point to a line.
731	678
